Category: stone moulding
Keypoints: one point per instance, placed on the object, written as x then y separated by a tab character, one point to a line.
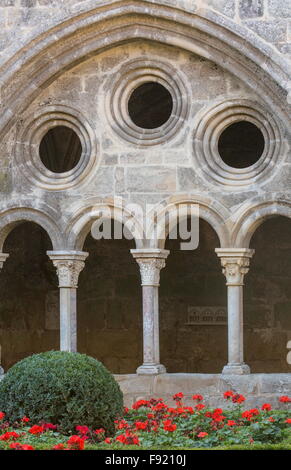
132	75
208	128
30	135
45	217
203	32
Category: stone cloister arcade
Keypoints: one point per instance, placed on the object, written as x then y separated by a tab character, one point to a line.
69	263
144	102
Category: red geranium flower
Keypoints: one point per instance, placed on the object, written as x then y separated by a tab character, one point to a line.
83	430
178	396
36	429
9	435
197	397
25	419
76	443
59	447
122	424
238	398
230	423
141	425
190	410
199	406
285	399
202	434
228	394
288	421
128	438
18	446
160	407
266	407
2	415
138	404
49	426
169	426
99	431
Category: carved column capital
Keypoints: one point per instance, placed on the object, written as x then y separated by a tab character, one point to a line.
235	264
69	264
3	258
150	262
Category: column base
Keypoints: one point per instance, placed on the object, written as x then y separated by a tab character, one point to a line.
236	369
151	369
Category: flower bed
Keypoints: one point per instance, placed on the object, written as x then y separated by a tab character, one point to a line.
153	424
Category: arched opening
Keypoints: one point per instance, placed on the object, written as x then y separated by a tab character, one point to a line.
29	301
267	310
193	316
110	305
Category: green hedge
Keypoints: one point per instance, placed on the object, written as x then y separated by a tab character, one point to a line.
63	388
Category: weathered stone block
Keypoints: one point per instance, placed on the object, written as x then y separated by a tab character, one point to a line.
272	31
188	383
275	383
153	178
279	8
226	7
135	384
251	8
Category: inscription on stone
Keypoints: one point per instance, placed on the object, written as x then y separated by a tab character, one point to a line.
207	316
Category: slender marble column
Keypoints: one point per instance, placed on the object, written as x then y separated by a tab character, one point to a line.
150	262
69	264
235	265
3	258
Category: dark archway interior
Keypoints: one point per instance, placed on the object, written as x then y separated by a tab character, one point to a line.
150	105
29	305
110	305
267	312
60	149
241	144
193	325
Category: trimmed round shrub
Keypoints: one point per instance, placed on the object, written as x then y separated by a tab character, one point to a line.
63	388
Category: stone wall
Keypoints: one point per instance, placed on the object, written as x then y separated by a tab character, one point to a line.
270	19
109	302
257	388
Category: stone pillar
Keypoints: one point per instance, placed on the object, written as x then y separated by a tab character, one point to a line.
235	264
69	264
3	258
150	262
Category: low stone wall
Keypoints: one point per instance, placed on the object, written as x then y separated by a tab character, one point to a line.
257	388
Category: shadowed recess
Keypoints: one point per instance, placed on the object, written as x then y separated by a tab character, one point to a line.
150	105
60	149
241	144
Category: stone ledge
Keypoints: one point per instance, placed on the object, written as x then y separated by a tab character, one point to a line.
258	388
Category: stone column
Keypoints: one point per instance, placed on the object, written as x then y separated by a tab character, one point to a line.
69	264
235	264
150	262
3	258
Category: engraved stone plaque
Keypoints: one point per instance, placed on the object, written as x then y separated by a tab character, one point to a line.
207	316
